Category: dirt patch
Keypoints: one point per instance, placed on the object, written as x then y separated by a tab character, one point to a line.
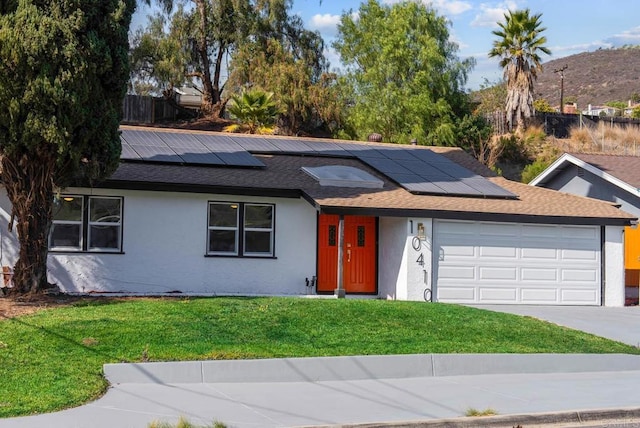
13	306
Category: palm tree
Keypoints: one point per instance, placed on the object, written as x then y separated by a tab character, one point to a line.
519	44
254	108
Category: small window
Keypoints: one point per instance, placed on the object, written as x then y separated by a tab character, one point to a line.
240	229
332	235
104	224
66	229
223	228
360	236
258	230
86	223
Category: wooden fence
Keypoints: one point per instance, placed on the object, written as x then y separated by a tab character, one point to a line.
146	109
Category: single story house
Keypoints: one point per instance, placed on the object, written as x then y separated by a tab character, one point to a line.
205	213
612	178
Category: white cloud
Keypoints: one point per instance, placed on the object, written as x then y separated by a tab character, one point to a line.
491	14
629	37
323	22
451	7
447	7
326	24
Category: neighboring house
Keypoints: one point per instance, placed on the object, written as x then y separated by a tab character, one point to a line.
600	111
226	214
188	97
612	178
628	111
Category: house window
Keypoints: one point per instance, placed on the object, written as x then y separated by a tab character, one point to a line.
86	223
240	229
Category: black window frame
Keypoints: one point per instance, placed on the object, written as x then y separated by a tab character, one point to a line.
85	225
241	230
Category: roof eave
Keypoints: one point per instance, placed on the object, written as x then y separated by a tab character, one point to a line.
477	216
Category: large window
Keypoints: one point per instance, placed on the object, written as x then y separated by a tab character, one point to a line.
240	229
86	223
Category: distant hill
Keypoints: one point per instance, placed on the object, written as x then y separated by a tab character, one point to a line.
592	77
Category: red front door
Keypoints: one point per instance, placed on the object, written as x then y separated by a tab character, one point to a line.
358	258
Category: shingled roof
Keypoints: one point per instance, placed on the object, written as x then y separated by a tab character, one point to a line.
625	168
282	176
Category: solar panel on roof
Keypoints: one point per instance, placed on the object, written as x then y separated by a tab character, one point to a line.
229	150
255	144
362	150
404	178
486	187
220	143
239	159
142	138
201	158
328	149
397	153
427	155
453	187
292	146
179	140
384	165
157	154
454	170
424	187
128	152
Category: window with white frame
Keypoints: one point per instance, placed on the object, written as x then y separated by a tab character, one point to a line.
86	223
240	229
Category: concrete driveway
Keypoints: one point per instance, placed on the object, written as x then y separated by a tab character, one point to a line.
620	324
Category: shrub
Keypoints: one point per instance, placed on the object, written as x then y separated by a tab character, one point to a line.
531	171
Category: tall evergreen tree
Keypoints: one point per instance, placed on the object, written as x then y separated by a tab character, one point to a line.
63	74
519	45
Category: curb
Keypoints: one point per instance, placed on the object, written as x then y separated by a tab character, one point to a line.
613	417
318	369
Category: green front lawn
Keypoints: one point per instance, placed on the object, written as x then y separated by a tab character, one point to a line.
53	359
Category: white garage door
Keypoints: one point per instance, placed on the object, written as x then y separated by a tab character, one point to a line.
485	262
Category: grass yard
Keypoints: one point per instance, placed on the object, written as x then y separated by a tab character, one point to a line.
53	359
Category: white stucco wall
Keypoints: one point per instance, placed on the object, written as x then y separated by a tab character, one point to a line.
614	266
392	269
402	269
164	245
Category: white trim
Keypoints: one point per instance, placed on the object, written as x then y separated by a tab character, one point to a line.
551	169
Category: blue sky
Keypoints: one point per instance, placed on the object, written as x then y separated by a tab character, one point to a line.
573	26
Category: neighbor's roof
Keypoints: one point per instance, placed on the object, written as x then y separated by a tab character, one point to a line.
283	177
620	170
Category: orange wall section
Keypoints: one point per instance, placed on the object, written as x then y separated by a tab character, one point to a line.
631	248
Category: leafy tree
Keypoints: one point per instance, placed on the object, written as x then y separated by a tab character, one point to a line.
306	97
205	35
474	135
519	45
635	113
490	97
63	74
254	109
160	59
541	105
403	79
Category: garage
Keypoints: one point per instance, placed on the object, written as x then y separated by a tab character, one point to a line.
491	262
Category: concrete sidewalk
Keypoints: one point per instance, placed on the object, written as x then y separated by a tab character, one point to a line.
408	390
